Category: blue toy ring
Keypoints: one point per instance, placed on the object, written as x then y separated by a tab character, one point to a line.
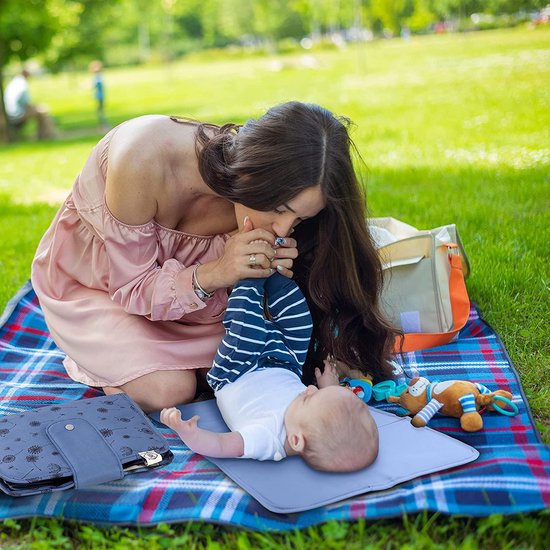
398	390
381	390
507	402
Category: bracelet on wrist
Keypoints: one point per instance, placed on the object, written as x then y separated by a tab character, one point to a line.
197	288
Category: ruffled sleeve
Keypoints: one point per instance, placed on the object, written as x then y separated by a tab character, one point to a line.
142	286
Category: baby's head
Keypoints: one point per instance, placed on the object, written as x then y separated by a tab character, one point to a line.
331	429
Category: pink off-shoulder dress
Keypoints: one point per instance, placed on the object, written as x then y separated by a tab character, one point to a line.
118	298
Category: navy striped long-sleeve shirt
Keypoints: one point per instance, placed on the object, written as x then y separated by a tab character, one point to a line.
253	341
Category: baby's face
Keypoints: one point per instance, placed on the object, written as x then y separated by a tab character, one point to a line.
306	409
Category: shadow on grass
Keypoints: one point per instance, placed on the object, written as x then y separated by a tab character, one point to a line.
502	214
86	130
503	217
21	227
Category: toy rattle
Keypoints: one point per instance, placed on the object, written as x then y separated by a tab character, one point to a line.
457	398
361	387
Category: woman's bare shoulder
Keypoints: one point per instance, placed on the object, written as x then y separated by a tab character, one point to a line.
145	138
141	157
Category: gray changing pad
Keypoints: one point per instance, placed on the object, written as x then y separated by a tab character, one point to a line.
292	486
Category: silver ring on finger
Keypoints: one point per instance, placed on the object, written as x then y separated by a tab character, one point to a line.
252	260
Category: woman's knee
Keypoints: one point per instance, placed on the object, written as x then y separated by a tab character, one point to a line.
160	389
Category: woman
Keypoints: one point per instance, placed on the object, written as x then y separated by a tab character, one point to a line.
167	214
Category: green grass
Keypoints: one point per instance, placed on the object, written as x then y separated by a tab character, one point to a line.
454	129
423	531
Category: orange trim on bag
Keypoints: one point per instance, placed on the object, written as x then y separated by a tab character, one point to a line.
460	307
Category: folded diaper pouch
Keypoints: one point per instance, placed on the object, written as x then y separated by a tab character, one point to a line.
76	444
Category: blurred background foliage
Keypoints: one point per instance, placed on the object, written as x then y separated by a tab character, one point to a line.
66	35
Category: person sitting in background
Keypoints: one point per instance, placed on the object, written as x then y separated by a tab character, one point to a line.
20	109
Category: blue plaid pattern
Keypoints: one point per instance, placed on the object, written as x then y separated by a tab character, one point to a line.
512	474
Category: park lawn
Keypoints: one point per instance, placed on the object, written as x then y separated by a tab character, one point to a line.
452	128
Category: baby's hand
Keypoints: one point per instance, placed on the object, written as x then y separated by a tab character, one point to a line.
172	418
329	377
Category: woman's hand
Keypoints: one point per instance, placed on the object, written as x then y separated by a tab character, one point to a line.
286	252
248	253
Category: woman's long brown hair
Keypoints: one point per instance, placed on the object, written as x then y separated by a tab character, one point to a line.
269	161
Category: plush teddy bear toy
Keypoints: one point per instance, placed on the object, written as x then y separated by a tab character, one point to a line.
456	398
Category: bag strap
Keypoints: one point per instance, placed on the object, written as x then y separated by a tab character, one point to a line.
460	307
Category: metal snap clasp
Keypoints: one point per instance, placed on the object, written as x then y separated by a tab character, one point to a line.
151	457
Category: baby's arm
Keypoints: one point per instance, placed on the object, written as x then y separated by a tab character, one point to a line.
204	442
342	371
329	376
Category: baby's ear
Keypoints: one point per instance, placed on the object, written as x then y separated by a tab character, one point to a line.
297	442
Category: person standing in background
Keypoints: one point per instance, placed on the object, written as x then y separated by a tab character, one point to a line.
99	92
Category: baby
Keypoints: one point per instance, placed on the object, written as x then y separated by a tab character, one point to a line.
256	380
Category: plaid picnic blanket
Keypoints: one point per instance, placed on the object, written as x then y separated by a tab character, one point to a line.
511	475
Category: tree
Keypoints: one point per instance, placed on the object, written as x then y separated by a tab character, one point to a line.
64	29
421	18
236	18
83	24
391	13
512	6
268	18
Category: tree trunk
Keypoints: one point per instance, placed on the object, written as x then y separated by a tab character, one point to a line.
144	41
4	128
4	131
